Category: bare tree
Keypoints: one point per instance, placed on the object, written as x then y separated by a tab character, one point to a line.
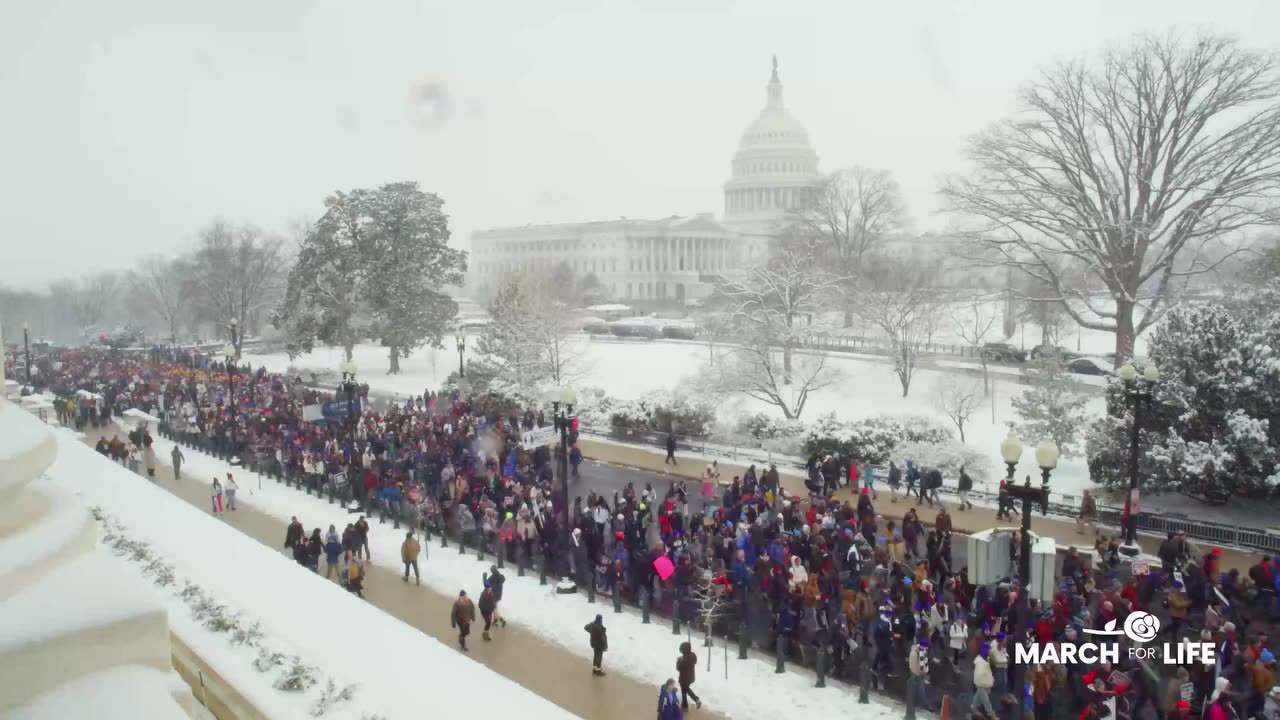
903	304
781	299
88	300
779	306
160	286
753	369
848	215
1129	171
237	275
957	400
973	322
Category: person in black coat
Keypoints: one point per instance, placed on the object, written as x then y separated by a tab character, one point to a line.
686	667
599	643
294	534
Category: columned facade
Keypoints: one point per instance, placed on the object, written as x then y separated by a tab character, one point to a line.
675	259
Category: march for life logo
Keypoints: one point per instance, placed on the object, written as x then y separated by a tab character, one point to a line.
1139	627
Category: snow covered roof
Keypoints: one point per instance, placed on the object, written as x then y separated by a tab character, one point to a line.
129	692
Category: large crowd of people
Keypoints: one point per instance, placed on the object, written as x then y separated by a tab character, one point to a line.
824	579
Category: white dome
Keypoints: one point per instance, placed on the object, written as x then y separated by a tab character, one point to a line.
775	126
773	168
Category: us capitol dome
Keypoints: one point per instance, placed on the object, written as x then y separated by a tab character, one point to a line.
677	259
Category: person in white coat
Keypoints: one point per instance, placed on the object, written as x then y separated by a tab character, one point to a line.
215	494
983	679
957	637
231	487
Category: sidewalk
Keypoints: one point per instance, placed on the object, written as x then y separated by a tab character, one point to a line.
515	652
965	522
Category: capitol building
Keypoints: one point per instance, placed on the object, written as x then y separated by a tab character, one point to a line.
674	259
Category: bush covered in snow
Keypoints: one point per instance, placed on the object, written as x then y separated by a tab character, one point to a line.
763	426
872	439
663	411
1209	429
948	456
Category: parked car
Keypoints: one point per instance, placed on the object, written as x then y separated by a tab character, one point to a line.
679	332
1003	352
1063	354
596	327
1089	366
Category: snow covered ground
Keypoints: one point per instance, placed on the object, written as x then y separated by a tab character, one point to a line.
865	387
297	610
645	652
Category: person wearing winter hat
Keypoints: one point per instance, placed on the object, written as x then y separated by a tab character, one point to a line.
983	681
1262	677
599	637
461	616
1271	709
918	664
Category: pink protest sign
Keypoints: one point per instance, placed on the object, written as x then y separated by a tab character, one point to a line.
664	567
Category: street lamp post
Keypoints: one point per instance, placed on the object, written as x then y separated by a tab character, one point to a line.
562	402
462	348
228	356
348	370
1047	459
26	348
1138	392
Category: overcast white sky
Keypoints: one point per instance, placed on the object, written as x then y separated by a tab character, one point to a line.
129	124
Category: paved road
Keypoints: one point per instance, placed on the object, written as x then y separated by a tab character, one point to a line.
557	674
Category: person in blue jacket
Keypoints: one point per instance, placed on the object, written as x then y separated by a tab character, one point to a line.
669	702
332	552
575	458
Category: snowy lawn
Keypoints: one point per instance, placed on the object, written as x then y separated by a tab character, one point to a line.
645	652
865	388
298	611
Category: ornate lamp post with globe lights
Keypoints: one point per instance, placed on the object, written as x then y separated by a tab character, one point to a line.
1047	459
562	402
461	341
1138	392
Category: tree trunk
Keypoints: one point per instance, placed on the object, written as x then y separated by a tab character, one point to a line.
848	316
960	427
786	363
395	360
349	348
1124	332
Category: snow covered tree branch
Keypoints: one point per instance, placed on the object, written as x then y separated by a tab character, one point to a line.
1128	171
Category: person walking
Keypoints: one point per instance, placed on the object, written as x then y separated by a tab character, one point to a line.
918	664
232	486
461	616
668	706
149	461
497	581
362	536
409	550
487	605
710	477
216	496
671	449
983	681
131	458
686	669
599	644
177	458
293	533
332	552
1088	514
355	576
964	486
